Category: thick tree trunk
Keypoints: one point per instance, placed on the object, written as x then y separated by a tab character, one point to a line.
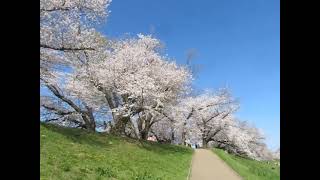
89	119
91	127
204	143
120	125
120	121
89	123
144	130
143	135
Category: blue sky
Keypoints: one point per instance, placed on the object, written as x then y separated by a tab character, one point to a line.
237	43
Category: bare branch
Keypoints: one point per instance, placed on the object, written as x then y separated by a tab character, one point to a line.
66	48
55	9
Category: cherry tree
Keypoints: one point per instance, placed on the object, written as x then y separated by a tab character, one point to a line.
169	129
163	131
200	117
246	140
66	27
133	79
66	31
206	115
209	117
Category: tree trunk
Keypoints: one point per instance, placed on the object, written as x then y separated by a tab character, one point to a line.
172	137
89	119
90	125
144	130
120	121
120	125
204	143
183	136
143	135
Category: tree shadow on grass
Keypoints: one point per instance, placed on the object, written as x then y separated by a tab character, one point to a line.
163	148
80	136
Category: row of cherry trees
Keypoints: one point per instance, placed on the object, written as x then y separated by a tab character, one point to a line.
127	86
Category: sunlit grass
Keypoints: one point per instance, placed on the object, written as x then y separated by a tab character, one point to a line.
251	169
76	154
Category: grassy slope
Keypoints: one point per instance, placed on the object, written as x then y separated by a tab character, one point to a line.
76	154
250	169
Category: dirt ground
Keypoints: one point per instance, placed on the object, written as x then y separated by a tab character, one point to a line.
208	166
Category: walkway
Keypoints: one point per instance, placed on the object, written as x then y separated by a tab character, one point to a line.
208	166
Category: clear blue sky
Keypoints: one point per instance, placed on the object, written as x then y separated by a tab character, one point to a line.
238	44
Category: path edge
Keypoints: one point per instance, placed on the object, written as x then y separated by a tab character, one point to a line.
188	177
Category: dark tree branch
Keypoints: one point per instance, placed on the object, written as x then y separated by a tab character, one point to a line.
214	134
87	116
154	121
49	120
56	92
165	115
55	9
66	48
214	116
190	114
57	111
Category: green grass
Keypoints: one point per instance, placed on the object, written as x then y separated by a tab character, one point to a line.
75	154
250	169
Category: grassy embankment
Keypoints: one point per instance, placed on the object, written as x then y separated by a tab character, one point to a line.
76	154
251	169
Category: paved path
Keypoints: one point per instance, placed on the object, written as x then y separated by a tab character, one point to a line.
208	166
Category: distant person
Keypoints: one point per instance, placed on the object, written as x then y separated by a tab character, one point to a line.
193	146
